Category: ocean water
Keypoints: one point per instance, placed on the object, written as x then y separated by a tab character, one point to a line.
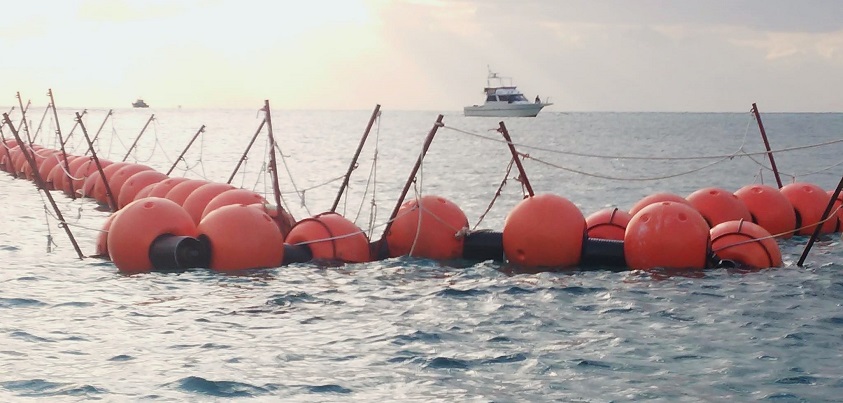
410	329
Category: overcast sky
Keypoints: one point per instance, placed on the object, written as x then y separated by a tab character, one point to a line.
584	55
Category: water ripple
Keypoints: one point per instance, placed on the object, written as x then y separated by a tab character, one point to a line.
202	386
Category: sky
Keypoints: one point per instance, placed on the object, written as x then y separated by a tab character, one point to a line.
431	55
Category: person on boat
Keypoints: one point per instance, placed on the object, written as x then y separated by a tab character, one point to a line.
538	100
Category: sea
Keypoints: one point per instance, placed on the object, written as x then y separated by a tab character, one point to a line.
413	329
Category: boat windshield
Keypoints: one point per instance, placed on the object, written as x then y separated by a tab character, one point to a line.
512	98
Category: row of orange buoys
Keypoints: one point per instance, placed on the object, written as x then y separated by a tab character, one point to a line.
239	230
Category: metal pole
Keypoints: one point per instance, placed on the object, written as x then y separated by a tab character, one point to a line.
819	226
23	112
201	129
38	130
97	163
429	139
273	167
97	134
351	166
249	147
73	129
58	133
521	172
767	145
136	139
40	183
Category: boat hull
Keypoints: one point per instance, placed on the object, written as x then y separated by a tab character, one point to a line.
505	110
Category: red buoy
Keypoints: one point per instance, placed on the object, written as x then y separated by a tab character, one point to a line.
430	227
242	237
136	227
769	208
196	202
83	174
656	198
59	176
809	201
102	237
234	196
134	185
608	223
718	205
120	177
331	236
746	243
667	235
94	186
544	230
145	191
162	188
180	192
47	165
836	209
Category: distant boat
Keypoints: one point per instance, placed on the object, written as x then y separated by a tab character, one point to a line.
504	100
140	104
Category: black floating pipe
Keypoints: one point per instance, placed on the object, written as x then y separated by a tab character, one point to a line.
483	245
602	252
174	252
296	254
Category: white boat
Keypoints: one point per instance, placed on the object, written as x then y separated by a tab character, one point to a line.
503	99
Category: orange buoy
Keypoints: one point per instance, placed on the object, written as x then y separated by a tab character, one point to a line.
544	230
809	201
285	220
102	238
120	177
196	202
331	236
718	205
746	243
94	186
59	176
769	208
655	198
180	192
162	188
242	237
47	165
134	185
430	227
837	210
41	157
608	223
234	196
145	191
667	235
133	231
83	184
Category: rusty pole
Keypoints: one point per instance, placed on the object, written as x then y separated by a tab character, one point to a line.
41	186
201	130
521	172
97	163
351	166
136	138
245	153
767	145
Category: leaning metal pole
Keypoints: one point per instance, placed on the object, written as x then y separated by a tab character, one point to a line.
97	134
181	156
61	141
820	223
521	172
39	182
273	169
128	153
353	164
108	193
23	113
767	145
381	243
245	153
